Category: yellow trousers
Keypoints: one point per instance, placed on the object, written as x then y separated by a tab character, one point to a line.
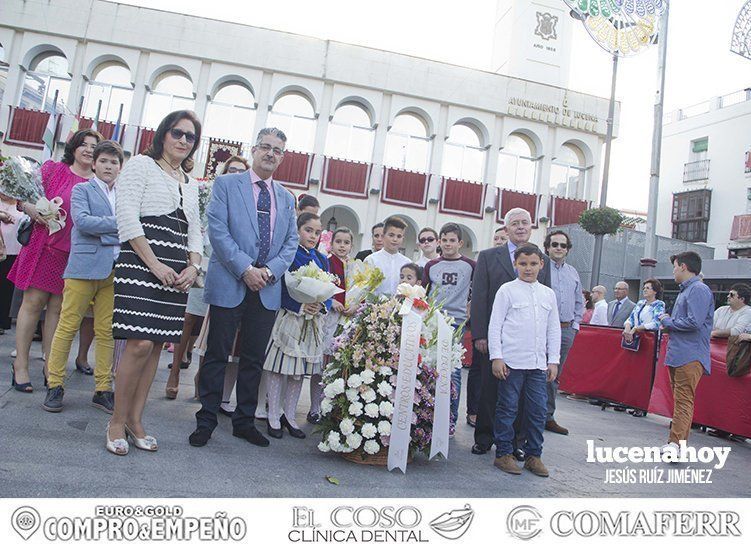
78	295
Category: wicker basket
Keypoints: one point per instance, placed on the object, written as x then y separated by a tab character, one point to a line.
379	459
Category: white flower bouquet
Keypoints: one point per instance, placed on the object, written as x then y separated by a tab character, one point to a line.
22	180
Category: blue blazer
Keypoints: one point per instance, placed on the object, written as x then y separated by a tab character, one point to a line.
233	232
94	236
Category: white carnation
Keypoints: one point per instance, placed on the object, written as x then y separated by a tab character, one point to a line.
347	426
352	394
384	428
371	409
386	408
385	371
334	388
368	395
355	409
367	376
354	440
324	447
369	430
334	440
326	406
385	389
354	381
371	447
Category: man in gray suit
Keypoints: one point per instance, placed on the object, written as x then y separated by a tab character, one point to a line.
619	309
494	268
89	276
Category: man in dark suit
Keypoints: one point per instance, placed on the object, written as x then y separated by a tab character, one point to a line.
620	309
494	268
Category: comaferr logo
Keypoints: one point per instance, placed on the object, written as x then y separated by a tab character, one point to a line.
676	523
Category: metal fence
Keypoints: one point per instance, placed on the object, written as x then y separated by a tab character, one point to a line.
621	253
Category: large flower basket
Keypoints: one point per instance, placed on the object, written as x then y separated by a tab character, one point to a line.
379	459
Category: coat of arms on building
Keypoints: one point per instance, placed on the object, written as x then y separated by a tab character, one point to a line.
546	24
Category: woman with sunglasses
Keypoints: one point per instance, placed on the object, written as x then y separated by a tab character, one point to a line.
160	259
38	270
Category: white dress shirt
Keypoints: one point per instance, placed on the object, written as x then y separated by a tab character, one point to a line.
390	264
525	330
600	315
112	197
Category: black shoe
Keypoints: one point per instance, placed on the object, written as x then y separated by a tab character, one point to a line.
519	454
84	369
53	402
273	433
479	449
619	408
314	419
595	402
295	433
637	413
224	411
104	400
252	435
199	437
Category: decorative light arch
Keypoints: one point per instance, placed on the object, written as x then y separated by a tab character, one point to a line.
741	40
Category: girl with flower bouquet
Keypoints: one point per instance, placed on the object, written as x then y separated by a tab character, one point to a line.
341	246
296	346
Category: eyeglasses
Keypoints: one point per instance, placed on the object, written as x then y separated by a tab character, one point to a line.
235	170
732	295
177	134
278	151
427	240
559	245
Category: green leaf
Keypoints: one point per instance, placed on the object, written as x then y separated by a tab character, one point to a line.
332	480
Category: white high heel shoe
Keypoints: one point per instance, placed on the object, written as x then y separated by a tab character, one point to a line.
147	443
119	446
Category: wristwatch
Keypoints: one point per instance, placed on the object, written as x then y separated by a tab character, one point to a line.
197	267
272	279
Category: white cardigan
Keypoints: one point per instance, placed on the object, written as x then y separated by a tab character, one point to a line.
144	189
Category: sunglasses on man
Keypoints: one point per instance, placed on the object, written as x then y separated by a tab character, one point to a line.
176	133
559	245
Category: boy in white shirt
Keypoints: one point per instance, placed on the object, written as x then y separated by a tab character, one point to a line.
388	259
524	342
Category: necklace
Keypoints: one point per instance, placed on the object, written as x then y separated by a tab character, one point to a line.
175	170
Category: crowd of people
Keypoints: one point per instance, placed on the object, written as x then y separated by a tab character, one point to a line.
138	267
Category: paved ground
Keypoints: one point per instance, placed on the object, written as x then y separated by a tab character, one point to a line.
63	455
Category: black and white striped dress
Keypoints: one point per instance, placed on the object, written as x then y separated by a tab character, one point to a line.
144	308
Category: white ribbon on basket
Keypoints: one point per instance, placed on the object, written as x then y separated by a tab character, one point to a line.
406	378
442	408
52	212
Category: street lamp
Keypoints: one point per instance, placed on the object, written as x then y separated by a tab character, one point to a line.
618	29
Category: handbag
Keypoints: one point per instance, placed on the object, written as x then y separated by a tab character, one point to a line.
738	360
633	345
25	226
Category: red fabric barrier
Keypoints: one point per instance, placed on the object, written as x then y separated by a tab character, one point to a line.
721	402
348	178
508	199
462	197
105	128
405	188
144	139
295	170
566	211
27	127
597	366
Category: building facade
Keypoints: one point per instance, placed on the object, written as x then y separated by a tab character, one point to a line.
705	175
372	133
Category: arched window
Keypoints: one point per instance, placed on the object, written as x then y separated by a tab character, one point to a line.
231	114
293	114
463	155
568	174
517	168
111	84
47	73
408	144
350	134
172	91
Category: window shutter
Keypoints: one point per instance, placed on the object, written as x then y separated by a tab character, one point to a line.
699	146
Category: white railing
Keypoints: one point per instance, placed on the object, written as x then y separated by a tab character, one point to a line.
701	108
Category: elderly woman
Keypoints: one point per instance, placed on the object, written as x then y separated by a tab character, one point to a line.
160	258
38	270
